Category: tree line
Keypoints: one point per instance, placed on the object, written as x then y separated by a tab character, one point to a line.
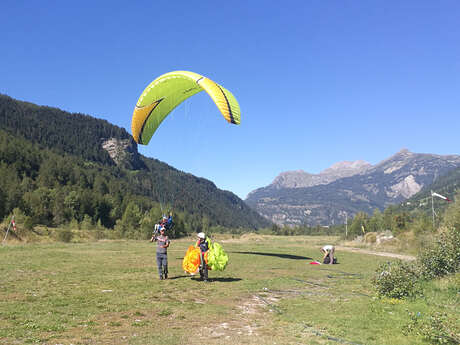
55	172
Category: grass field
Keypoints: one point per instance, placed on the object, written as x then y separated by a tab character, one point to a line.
107	292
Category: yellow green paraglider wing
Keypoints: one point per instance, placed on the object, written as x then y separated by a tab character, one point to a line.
168	91
217	258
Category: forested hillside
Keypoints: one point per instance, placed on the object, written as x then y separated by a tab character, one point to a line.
62	132
54	170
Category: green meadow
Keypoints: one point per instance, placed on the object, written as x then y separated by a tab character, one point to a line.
107	292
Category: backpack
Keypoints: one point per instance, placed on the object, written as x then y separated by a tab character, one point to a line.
327	260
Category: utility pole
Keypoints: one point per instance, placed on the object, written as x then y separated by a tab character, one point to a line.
432	207
346	225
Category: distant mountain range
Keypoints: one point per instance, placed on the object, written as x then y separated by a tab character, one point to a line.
300	198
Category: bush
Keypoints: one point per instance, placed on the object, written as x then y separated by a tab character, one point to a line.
397	280
29	223
65	236
98	234
443	257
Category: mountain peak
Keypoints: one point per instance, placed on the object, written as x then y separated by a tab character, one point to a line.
404	152
347	167
302	179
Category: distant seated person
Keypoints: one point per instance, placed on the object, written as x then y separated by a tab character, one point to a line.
169	222
328	251
161	224
165	223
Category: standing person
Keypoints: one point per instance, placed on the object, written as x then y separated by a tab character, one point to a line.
328	251
162	253
203	244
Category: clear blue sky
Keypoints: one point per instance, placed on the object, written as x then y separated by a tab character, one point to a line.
318	82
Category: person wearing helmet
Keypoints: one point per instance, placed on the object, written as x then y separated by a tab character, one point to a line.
203	244
162	253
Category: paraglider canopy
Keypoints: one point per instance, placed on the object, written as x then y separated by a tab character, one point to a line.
169	90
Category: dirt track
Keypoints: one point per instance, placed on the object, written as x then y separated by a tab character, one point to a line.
371	252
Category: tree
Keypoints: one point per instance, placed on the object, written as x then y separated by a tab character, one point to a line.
129	224
39	205
72	204
451	218
359	223
376	222
2	204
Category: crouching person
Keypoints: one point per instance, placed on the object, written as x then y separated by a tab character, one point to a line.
328	252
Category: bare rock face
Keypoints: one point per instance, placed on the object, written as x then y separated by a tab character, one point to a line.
301	179
405	188
123	152
295	179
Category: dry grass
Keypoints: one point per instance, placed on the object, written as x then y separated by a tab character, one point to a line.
106	292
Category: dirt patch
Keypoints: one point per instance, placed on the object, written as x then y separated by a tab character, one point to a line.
242	327
372	252
251	323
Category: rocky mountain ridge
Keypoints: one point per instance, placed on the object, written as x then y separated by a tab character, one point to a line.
300	178
346	188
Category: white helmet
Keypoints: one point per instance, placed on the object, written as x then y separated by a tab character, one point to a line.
201	235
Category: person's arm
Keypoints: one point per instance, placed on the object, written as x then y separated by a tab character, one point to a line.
166	245
324	253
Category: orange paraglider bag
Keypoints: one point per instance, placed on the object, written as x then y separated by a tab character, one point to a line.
192	260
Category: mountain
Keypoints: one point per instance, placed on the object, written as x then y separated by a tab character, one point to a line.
300	178
296	198
447	185
58	166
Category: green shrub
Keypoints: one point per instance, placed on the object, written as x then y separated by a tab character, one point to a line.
29	223
65	235
98	234
443	257
397	280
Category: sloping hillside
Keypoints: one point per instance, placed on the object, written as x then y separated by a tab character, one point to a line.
52	154
447	185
